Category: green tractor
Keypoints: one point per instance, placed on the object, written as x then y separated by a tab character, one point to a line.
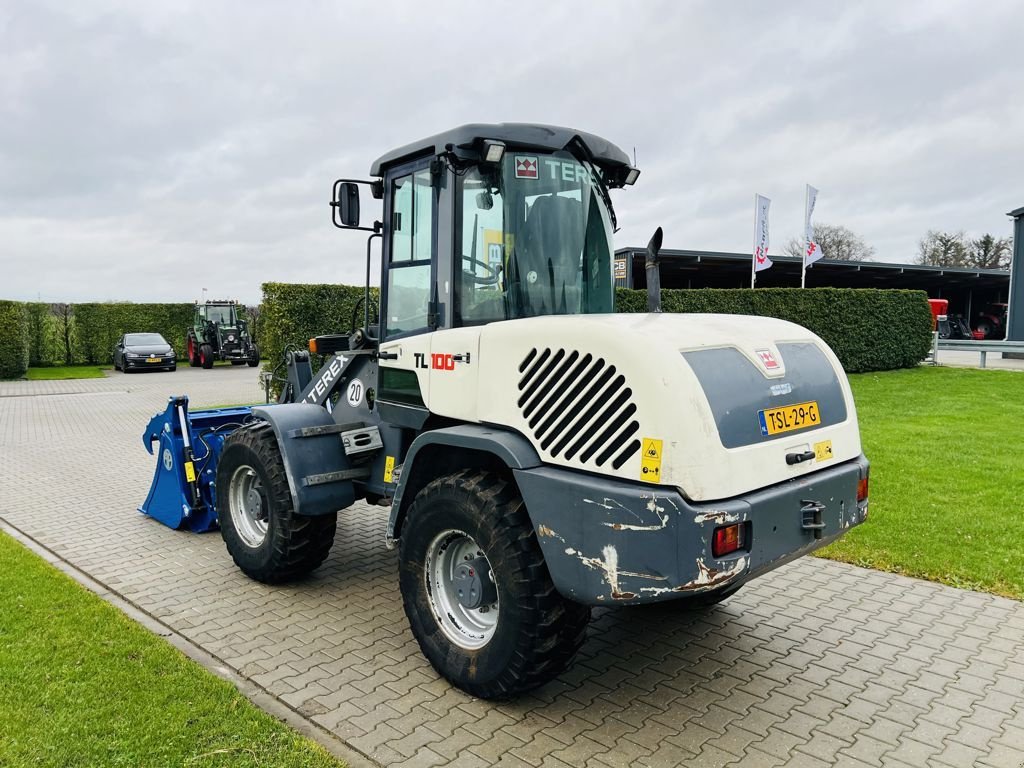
219	332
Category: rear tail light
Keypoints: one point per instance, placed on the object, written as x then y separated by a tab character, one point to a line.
862	489
312	346
728	539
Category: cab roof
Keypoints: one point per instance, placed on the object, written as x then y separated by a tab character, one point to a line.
515	135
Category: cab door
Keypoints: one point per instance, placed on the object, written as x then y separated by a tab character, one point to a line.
409	272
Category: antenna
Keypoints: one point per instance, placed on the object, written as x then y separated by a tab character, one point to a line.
634	158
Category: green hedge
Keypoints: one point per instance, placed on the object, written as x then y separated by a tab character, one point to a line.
98	326
14	340
868	329
291	314
39	329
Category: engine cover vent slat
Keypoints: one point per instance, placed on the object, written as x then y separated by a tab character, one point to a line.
539	380
550	392
573	421
558	395
523	382
625	456
527	360
583	379
578	407
604	440
595	424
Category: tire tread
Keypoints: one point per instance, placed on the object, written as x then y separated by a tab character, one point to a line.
557	627
300	543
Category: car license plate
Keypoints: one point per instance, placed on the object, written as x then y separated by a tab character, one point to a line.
789	417
152	359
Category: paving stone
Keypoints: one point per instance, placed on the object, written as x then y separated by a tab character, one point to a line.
818	663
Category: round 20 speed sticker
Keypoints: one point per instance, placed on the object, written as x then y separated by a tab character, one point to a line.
354	394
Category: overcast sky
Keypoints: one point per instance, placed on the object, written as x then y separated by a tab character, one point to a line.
149	150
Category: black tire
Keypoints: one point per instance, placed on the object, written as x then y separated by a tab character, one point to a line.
537	633
255	359
206	356
293	544
192	352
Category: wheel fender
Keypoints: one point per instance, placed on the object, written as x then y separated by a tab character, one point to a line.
319	473
514	450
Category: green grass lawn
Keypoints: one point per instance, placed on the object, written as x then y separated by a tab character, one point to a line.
946	447
83	685
67	372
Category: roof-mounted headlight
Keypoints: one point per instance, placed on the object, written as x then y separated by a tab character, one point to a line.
631	176
493	151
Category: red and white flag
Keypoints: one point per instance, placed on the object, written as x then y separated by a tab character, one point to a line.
812	251
761	260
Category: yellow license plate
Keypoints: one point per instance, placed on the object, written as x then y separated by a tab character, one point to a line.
789	417
152	359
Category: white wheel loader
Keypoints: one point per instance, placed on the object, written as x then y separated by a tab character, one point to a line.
540	454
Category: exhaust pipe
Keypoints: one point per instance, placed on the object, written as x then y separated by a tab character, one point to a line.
653	274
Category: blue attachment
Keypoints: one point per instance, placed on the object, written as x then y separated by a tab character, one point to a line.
183	493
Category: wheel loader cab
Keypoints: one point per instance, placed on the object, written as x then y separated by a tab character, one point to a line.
493	222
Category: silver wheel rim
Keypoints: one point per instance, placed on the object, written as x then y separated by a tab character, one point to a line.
247	504
468	628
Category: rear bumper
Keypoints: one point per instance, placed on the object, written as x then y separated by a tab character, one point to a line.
607	541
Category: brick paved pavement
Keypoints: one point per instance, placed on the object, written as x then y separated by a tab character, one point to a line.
817	664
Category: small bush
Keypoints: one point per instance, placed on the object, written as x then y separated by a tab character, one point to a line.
868	329
14	340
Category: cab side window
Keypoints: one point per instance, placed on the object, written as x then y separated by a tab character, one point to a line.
409	268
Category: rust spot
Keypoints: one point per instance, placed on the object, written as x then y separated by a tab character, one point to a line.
616	526
711	577
623	595
543	530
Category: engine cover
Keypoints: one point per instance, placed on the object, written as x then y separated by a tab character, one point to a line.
714	405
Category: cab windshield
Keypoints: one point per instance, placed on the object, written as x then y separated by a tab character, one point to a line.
218	314
536	239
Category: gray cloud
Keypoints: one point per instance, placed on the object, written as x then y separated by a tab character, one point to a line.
148	152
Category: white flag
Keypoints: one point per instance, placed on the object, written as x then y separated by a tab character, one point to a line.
812	251
761	260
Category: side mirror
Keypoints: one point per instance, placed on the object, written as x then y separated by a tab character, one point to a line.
346	204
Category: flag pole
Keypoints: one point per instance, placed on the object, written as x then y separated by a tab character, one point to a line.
753	256
803	259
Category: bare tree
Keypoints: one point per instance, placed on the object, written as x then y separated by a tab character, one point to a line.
943	249
63	313
988	252
955	249
836	242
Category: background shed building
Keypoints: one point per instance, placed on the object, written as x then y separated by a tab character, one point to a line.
969	291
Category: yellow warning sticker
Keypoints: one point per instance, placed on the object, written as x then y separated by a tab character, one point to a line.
389	468
650	460
823	450
190	472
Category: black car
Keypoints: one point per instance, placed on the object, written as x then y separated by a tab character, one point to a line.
136	351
